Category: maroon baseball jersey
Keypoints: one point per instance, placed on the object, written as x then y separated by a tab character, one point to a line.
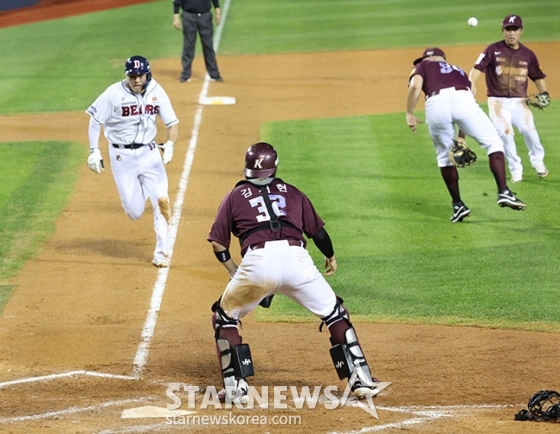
507	69
244	209
439	75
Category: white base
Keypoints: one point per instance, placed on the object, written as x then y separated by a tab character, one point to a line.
217	100
152	411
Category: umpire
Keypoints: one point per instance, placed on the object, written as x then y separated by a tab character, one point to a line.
197	18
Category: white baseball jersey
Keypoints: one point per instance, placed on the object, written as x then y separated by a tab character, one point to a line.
131	118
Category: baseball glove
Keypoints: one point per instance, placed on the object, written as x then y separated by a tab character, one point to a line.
461	155
540	100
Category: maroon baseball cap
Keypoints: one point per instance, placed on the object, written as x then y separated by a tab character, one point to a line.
512	21
430	52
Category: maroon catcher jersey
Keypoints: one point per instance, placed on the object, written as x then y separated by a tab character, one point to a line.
244	208
507	69
439	75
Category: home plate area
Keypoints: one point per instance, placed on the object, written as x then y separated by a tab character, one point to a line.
106	403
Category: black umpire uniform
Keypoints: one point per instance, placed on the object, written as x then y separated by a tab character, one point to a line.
197	18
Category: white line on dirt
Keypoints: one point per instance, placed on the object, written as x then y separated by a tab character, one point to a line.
63	375
141	356
421	414
159	288
71	410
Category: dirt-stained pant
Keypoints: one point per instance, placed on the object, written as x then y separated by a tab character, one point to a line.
507	113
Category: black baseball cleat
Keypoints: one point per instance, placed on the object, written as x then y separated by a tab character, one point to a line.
507	198
460	211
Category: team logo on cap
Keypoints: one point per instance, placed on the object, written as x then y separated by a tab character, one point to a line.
512	19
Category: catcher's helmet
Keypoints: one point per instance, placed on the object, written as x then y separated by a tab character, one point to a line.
138	65
261	161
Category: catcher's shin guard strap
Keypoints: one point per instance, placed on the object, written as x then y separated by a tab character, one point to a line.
236	361
339	312
220	319
348	357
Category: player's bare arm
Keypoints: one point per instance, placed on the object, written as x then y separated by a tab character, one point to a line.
414	90
474	75
173	133
541	85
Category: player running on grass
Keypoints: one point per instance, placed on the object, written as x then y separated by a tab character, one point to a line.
449	101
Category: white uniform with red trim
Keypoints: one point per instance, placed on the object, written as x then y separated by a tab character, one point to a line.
129	124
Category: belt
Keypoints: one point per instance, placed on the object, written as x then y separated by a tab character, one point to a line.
197	13
296	243
436	92
133	146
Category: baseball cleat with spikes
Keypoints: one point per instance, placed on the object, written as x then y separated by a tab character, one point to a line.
507	198
460	211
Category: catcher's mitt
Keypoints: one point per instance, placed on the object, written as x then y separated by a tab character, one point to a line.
461	155
540	100
543	406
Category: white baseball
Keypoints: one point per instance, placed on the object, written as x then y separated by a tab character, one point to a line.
473	22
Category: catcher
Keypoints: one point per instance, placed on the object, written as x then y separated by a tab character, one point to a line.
450	102
270	218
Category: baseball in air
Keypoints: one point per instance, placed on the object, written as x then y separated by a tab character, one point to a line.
473	22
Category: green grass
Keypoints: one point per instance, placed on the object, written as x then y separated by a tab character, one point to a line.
63	64
275	26
385	205
37	179
380	192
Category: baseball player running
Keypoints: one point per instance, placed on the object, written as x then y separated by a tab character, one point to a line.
507	65
449	101
270	216
127	112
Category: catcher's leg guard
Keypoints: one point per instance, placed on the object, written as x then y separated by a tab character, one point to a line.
346	353
234	357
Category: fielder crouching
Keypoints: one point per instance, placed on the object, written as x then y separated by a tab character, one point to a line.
270	218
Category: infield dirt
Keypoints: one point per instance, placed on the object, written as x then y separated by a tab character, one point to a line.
81	302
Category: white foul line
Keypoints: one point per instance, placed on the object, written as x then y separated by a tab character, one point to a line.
420	415
63	375
72	410
159	287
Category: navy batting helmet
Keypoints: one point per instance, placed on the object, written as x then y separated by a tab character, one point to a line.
138	65
261	161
